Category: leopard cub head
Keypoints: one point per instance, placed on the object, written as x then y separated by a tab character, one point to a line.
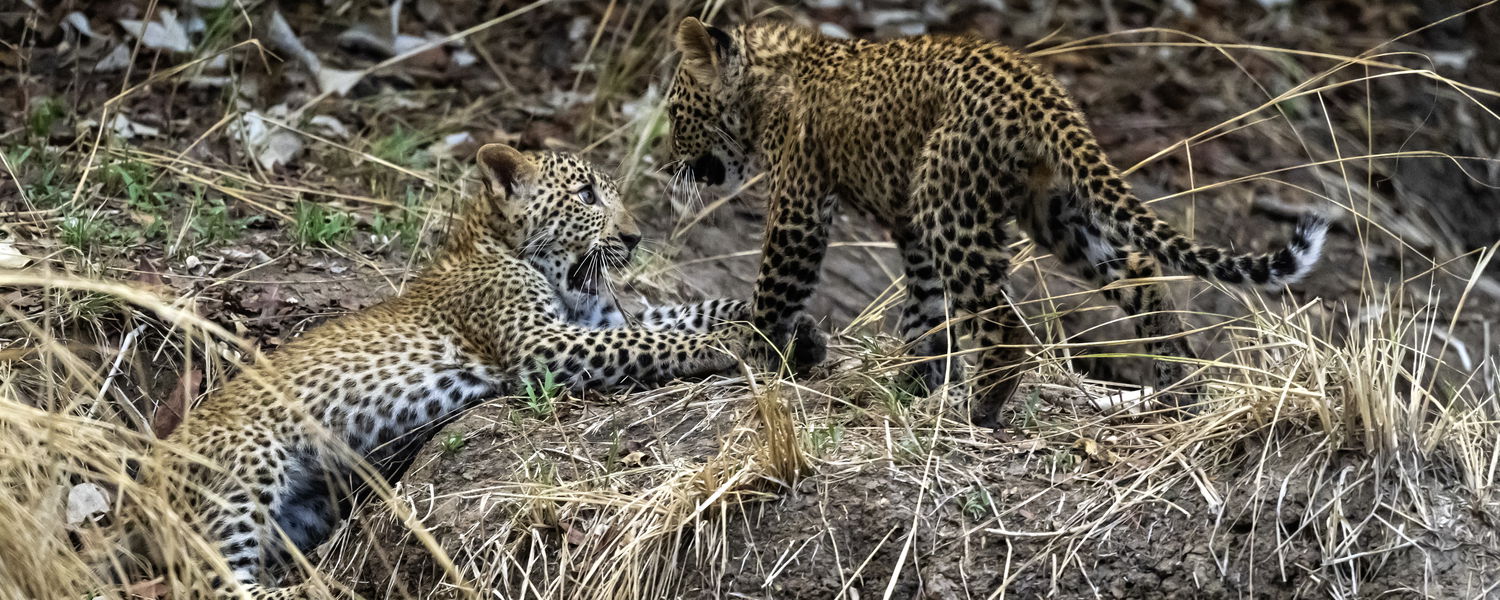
710	132
555	210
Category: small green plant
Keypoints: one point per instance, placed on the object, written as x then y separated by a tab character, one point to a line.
315	225
220	26
385	228
1063	459
404	229
44	113
1031	409
402	147
453	442
542	471
541	398
896	398
134	180
913	449
47	188
211	223
89	306
868	346
977	503
541	509
19	156
825	439
87	232
612	460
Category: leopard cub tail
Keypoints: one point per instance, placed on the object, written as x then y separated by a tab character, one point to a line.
1142	228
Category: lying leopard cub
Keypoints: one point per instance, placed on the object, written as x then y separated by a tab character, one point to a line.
493	311
942	140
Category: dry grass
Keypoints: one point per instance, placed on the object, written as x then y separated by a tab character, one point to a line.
1369	426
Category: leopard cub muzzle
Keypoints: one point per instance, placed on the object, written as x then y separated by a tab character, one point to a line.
708	169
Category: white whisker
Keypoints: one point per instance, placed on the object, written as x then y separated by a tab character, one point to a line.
723	135
678	191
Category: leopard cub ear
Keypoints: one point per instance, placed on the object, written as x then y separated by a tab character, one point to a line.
504	168
703	49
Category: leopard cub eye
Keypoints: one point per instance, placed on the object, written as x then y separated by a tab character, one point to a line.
586	195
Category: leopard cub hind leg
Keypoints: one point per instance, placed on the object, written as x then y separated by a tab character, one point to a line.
1080	245
923	312
963	228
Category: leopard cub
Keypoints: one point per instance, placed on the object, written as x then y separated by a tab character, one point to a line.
943	141
515	293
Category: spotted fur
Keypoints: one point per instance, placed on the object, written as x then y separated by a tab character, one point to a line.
517	292
942	140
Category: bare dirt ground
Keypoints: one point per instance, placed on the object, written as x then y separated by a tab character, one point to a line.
1350	452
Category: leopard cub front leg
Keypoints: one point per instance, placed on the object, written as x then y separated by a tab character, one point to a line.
700	317
808	343
606	359
795	244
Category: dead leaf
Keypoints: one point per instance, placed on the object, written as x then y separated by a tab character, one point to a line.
338	81
457	144
245	254
834	30
85	502
1094	450
80	24
128	129
364	38
282	38
575	535
118	58
434	57
1029	445
169	414
265	303
330	126
148	590
148	273
268	143
19	300
634	459
11	258
430	10
499	136
165	33
464	58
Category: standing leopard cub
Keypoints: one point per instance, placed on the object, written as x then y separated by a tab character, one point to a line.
513	294
941	140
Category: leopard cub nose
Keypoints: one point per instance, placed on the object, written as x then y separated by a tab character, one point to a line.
631	240
708	169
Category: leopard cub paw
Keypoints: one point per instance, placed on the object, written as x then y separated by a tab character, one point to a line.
798	344
809	344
